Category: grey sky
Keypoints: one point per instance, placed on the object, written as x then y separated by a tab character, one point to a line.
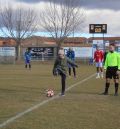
97	12
89	4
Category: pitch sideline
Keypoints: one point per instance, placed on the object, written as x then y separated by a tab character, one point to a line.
19	115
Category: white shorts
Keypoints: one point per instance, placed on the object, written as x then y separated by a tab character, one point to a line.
99	64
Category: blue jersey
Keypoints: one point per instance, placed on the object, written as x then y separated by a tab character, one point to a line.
27	56
71	54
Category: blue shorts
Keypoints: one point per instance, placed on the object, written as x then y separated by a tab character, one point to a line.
27	61
99	64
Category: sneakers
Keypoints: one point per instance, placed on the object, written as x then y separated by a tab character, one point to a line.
104	93
116	94
75	76
102	76
62	94
97	77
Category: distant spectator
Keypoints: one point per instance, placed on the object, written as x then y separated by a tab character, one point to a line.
91	61
27	57
71	55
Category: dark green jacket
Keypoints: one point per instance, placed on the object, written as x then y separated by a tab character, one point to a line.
63	63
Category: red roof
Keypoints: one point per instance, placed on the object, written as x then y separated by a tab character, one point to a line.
7	42
49	41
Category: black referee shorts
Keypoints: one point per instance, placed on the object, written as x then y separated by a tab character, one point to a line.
112	72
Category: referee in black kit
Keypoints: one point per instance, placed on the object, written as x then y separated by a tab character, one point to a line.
112	68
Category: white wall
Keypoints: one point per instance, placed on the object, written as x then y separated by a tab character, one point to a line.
7	51
81	52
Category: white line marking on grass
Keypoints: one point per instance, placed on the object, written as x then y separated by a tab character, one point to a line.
80	82
19	115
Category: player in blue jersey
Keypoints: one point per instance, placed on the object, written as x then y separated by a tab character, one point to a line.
27	57
71	56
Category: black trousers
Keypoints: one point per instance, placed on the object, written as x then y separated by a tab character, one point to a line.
74	71
63	82
28	65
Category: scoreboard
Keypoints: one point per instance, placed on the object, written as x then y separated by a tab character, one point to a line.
98	28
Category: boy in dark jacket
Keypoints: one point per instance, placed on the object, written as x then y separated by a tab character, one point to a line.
60	68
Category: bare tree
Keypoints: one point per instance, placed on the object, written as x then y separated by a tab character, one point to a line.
62	19
17	24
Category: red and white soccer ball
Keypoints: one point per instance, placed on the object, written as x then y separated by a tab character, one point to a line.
49	93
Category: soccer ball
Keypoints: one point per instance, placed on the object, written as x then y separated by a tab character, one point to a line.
49	93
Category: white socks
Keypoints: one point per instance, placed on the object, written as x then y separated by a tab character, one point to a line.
102	75
99	74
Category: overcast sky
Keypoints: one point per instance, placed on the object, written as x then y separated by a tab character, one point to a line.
97	12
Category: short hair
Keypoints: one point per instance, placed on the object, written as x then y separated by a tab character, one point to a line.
61	48
97	46
112	44
70	48
61	52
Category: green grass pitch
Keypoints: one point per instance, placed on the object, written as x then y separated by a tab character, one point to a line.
82	108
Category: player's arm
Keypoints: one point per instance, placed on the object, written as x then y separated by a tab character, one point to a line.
55	64
102	56
118	60
71	62
106	63
54	67
30	55
73	55
94	57
25	56
67	54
